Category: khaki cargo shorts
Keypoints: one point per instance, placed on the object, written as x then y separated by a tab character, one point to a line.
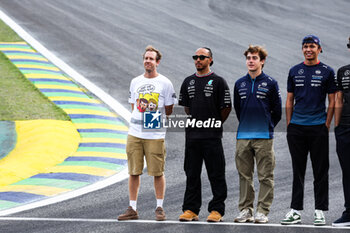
152	149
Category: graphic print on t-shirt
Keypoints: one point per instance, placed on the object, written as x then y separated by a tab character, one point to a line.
147	99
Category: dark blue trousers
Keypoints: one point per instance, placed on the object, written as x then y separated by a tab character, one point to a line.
303	139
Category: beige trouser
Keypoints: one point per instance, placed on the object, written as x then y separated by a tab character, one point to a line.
262	150
152	149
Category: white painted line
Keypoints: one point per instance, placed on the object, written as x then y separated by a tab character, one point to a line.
165	222
65	196
56	219
106	98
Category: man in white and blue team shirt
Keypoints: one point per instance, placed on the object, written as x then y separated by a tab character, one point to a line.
308	122
150	93
257	102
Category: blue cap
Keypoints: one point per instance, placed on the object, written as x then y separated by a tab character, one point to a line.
312	39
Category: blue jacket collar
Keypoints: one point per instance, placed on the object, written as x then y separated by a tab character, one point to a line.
262	75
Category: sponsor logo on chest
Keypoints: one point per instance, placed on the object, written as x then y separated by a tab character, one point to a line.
347	73
191	89
345	81
209	89
261	93
316	80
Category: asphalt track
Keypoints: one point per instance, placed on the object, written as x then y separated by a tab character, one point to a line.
104	40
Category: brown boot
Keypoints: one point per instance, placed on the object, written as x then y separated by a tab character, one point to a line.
130	214
214	216
160	214
188	215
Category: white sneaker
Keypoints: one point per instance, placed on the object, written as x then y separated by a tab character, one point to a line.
291	217
261	218
319	218
244	216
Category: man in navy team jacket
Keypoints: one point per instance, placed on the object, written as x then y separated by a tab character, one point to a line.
257	103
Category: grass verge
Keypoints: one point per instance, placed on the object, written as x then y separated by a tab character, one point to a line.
19	98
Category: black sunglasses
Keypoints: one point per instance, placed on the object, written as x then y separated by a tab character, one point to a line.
348	46
201	57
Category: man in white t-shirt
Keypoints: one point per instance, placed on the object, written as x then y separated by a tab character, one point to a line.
152	97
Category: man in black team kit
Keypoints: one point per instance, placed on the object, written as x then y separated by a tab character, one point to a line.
207	101
342	136
308	123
